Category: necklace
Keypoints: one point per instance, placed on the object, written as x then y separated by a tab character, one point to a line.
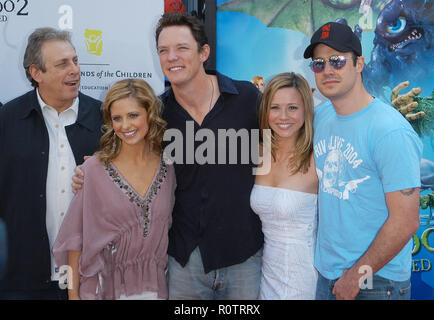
212	95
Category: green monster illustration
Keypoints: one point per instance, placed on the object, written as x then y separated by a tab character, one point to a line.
425	202
301	15
419	112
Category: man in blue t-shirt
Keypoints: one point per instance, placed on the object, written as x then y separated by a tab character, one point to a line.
368	163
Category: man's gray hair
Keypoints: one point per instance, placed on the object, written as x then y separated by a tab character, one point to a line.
33	54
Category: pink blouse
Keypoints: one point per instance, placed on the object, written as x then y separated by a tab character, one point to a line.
122	237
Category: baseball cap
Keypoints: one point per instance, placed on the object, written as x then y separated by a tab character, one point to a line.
336	35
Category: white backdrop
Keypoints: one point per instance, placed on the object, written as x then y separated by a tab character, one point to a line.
113	39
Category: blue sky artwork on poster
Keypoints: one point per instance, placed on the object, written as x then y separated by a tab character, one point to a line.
266	37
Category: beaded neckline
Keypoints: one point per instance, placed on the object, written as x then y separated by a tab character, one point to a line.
144	203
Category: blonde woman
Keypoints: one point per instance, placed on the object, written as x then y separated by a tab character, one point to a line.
114	237
286	198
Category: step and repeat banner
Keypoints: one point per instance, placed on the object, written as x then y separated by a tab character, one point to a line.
113	39
259	39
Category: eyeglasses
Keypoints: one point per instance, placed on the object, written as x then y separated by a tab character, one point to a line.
337	62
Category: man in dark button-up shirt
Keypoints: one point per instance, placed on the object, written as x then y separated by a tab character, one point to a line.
215	240
212	206
43	134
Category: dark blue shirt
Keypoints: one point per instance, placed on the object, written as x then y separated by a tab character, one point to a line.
212	201
24	144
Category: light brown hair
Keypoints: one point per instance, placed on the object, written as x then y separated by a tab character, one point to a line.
110	144
299	161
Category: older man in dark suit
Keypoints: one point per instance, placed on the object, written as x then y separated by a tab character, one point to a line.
44	134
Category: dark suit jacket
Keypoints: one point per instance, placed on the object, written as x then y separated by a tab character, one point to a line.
24	144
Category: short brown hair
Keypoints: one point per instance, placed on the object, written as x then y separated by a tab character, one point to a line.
300	159
183	19
142	92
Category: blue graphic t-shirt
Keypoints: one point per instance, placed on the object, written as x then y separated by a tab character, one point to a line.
359	158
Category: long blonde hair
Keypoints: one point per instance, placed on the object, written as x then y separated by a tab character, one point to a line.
299	160
110	144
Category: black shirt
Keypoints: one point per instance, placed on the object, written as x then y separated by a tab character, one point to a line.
212	201
24	144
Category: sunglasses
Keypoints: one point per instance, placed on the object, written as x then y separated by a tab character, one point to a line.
337	62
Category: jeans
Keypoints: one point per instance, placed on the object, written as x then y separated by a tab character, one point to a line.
237	282
382	289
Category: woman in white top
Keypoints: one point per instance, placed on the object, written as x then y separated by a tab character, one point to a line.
286	197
